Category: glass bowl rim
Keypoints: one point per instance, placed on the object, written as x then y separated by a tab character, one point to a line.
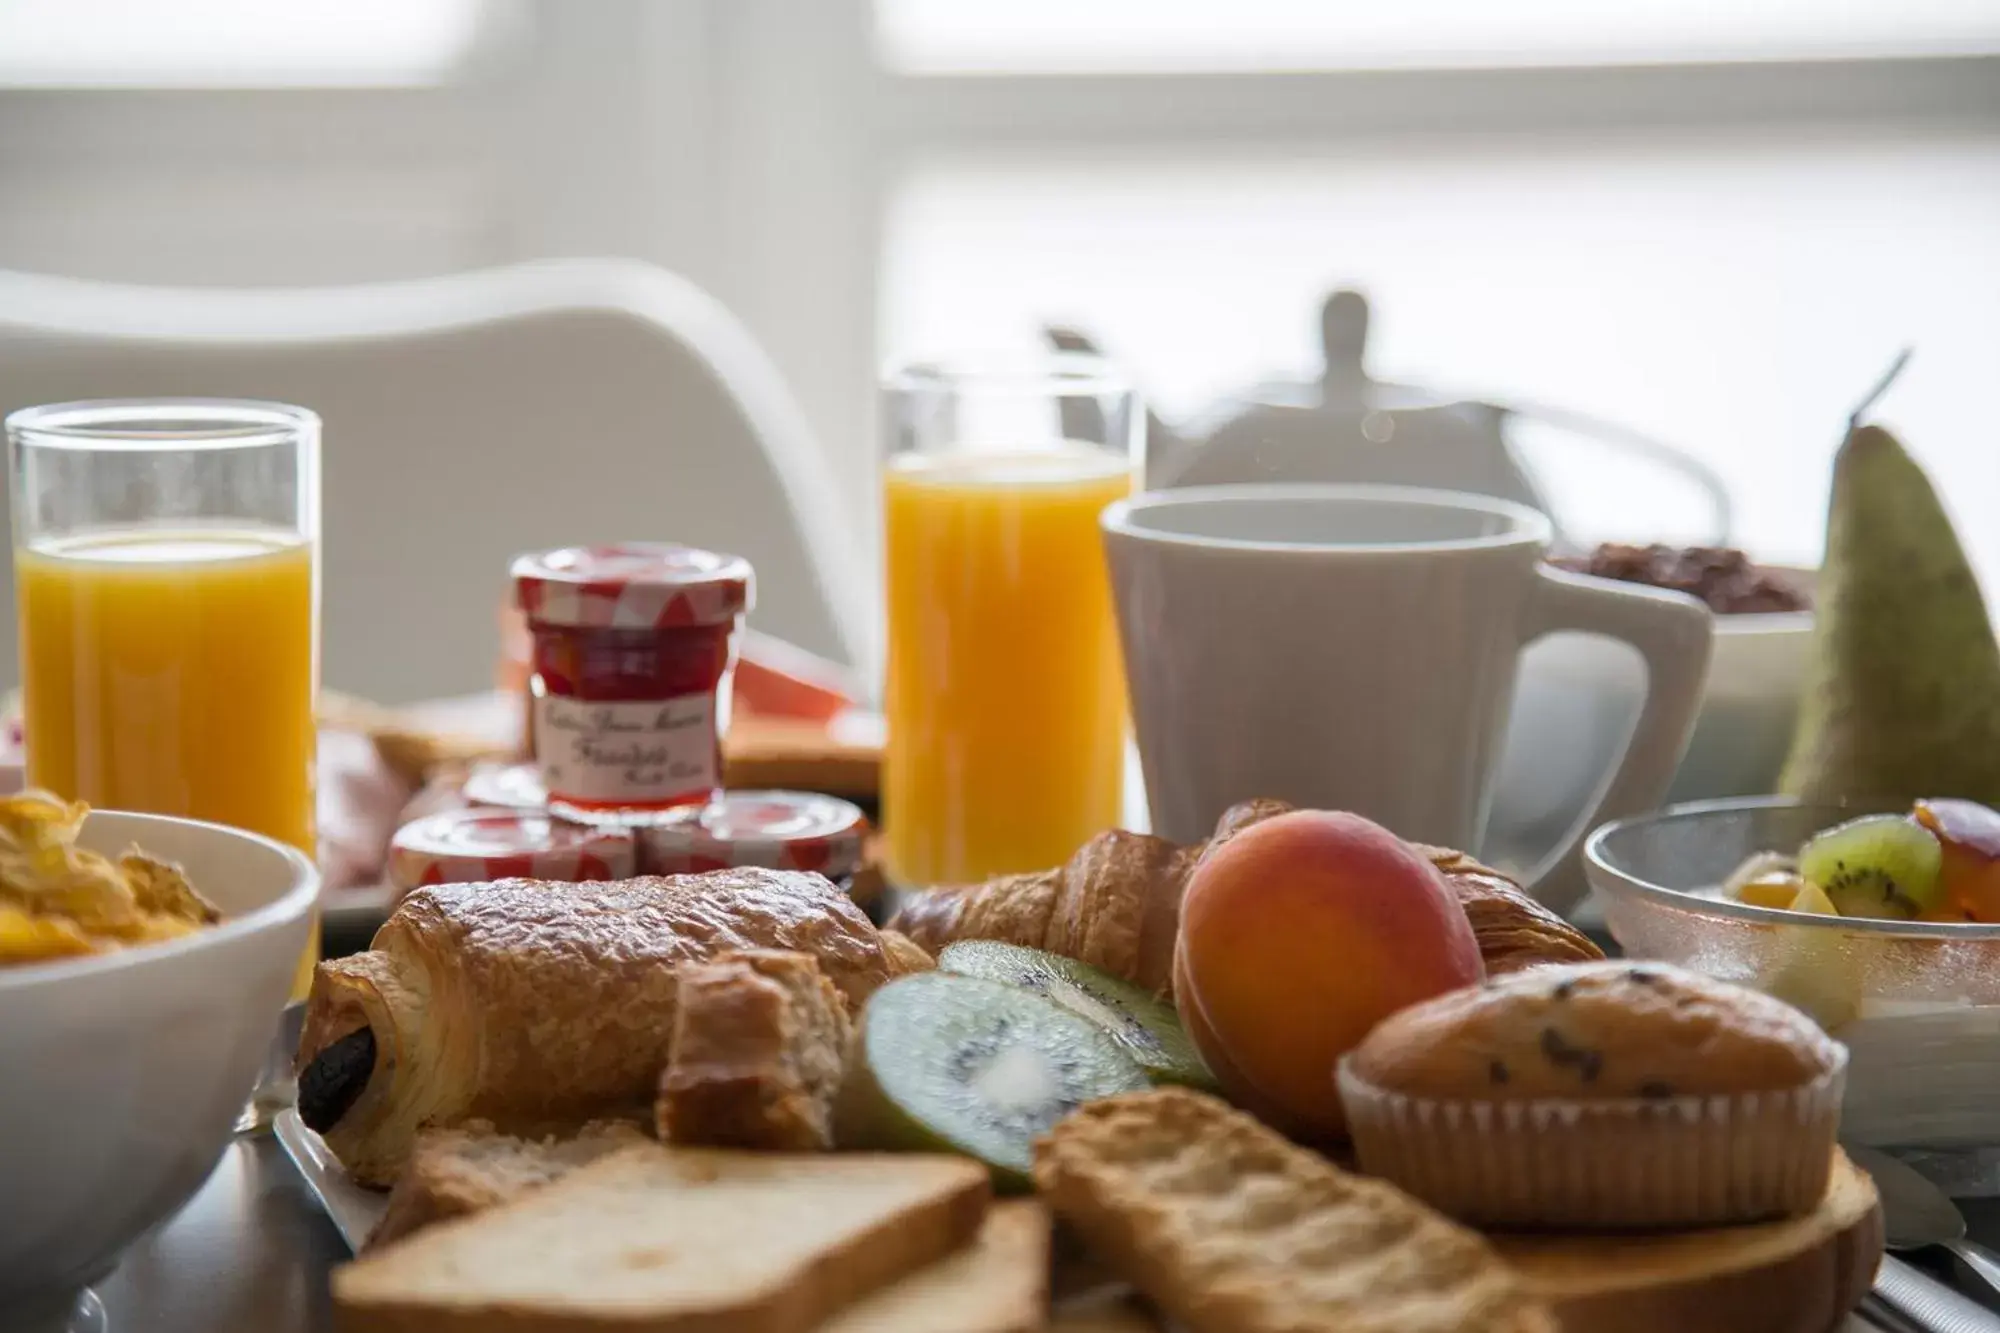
1625	881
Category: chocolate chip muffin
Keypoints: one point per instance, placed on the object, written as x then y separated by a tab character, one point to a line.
1617	1094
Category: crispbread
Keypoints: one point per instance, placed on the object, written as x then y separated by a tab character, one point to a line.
674	1241
453	1172
999	1284
1232	1229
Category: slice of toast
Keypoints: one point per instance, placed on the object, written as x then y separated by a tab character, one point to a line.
1000	1284
1229	1228
758	1049
672	1241
473	1167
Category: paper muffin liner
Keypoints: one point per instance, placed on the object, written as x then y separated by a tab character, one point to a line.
1616	1164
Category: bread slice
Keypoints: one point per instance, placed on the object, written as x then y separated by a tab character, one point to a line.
473	1167
1229	1228
1000	1284
758	1049
669	1240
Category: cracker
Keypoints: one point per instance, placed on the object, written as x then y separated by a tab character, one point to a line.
1232	1229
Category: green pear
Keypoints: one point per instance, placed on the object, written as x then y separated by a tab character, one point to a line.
1902	697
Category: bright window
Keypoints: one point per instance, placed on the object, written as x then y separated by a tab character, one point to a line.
235	43
1103	35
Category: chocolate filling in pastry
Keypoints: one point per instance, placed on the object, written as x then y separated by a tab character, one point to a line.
335	1079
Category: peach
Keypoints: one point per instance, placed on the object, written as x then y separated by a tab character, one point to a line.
1297	936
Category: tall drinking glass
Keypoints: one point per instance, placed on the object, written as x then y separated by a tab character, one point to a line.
1005	694
166	566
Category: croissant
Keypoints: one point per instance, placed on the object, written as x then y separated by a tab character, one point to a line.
1116	905
1514	931
536	1005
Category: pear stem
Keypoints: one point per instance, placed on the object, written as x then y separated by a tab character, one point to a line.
1882	386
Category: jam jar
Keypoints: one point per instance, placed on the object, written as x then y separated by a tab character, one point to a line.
633	646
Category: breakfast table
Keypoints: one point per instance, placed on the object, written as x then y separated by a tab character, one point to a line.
253	1249
250	1253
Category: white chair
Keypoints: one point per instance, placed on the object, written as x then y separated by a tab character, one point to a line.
471	417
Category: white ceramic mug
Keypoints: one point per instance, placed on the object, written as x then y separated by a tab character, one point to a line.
1354	648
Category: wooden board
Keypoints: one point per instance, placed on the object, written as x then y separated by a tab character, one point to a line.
1801	1275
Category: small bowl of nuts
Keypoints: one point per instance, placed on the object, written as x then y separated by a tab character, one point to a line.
1577	696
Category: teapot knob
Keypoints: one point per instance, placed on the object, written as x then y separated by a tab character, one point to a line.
1344	336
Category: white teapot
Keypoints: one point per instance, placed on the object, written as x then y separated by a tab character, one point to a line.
1349	427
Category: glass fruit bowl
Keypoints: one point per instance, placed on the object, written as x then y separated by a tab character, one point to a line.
1917	1003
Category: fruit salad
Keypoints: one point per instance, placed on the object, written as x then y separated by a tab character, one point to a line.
1939	862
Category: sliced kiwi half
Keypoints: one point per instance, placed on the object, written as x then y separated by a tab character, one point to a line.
1147	1028
951	1063
1877	865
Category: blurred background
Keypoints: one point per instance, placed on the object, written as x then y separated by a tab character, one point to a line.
1714	223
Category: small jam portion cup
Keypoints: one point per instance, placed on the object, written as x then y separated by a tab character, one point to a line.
633	649
480	844
781	830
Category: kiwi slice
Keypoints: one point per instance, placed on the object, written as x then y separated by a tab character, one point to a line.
1148	1028
951	1063
1877	865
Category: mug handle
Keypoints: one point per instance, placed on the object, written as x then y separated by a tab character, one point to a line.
1673	633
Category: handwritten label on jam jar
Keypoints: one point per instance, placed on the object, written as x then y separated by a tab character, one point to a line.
656	752
633	646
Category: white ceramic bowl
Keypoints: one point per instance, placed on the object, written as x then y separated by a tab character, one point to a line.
1577	698
121	1075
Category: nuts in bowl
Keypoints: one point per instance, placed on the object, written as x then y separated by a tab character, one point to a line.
137	1052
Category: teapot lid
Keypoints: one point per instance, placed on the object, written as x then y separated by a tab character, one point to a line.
1344	383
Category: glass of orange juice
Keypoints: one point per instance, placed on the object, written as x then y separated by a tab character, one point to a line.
1005	695
166	566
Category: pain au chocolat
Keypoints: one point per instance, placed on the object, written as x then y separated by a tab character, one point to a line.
539	1005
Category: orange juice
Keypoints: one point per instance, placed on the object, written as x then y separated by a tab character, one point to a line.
174	672
1005	693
